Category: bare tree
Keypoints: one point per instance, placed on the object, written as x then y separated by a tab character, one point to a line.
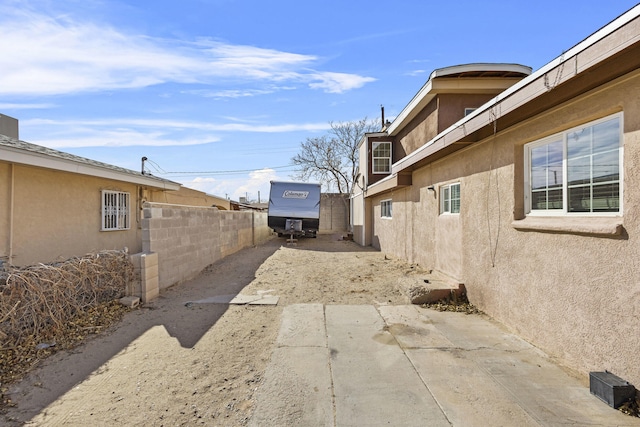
332	159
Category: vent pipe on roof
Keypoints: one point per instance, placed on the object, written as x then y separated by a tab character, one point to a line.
144	159
382	113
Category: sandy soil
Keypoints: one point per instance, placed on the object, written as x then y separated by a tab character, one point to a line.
176	363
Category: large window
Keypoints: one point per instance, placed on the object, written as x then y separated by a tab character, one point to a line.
115	210
385	208
577	171
381	157
450	198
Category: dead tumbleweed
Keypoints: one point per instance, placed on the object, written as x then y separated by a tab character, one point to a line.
46	307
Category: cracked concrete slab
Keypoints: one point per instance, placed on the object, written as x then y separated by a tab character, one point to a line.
369	365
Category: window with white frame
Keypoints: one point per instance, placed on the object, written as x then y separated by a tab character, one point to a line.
381	157
576	171
385	208
450	198
115	210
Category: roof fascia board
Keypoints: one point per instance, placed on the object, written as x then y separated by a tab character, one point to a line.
32	159
508	100
386	184
466	86
456	69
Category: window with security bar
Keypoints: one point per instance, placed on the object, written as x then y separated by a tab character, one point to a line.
115	210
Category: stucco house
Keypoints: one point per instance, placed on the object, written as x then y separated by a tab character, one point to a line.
54	205
530	196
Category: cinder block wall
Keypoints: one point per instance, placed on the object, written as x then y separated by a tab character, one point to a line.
145	284
188	238
334	212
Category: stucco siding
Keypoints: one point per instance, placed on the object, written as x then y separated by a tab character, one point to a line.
425	211
394	235
5	208
574	295
449	245
422	128
57	215
187	197
452	106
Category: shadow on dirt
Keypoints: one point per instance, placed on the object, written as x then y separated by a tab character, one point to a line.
185	322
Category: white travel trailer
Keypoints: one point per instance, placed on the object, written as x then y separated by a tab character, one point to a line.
294	208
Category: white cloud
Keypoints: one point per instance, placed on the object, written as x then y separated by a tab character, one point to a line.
151	132
231	93
256	183
415	73
237	93
25	106
121	138
53	55
338	82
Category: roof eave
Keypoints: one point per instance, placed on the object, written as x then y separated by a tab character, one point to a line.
489	112
65	165
429	90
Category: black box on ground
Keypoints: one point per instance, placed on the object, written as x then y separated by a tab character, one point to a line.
610	388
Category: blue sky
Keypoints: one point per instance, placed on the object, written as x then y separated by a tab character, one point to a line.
219	94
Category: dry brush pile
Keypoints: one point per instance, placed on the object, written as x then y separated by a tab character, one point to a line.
47	307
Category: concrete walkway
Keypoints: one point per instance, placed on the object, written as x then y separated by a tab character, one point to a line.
362	365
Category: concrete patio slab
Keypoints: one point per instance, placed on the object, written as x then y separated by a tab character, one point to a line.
369	365
374	382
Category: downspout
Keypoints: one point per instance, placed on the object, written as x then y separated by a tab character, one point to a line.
11	203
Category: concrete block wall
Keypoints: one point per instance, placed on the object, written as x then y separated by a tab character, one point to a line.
187	239
261	230
334	212
146	285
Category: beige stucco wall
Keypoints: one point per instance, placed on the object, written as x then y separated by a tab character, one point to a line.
188	197
187	239
452	106
575	295
57	215
422	128
396	235
357	218
5	209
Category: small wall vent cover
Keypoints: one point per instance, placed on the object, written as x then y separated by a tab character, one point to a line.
611	389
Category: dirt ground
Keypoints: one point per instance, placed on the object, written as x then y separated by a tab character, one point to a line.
177	363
